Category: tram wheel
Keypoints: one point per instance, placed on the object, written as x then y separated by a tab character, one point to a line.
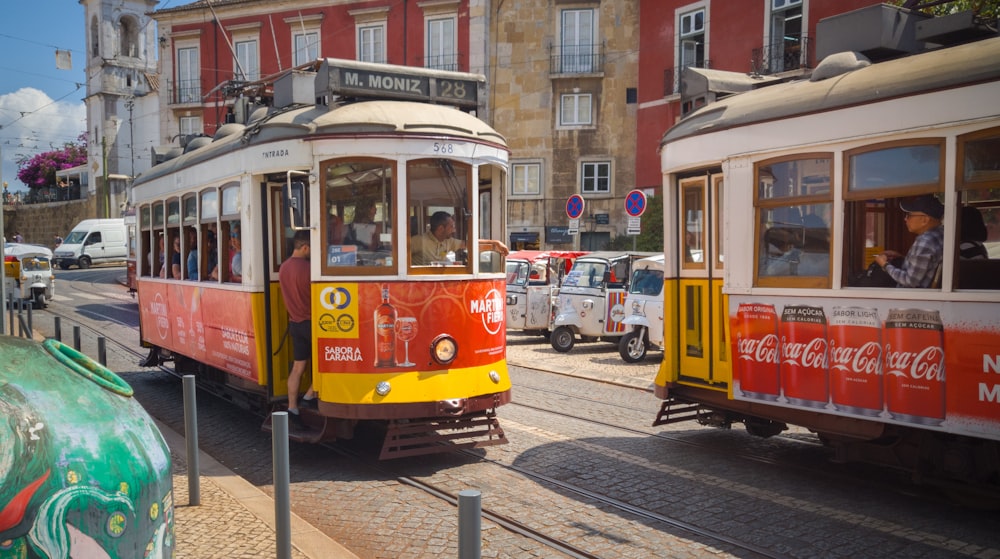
562	339
632	347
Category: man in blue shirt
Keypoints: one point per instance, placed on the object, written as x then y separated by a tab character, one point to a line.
919	268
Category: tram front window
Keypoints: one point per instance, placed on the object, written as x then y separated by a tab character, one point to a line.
437	195
357	195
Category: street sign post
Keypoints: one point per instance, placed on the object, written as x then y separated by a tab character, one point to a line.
574	209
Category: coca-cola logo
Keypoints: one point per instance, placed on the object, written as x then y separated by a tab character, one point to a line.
926	365
862	360
810	355
763	350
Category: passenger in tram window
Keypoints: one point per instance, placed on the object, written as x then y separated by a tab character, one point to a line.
363	231
920	267
191	261
435	244
236	254
783	252
212	253
815	257
972	236
175	257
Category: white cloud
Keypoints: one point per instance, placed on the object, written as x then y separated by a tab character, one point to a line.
33	123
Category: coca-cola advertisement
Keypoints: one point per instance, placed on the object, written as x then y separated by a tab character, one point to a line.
935	364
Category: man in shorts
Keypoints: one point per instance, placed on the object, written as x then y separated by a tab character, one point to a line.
293	276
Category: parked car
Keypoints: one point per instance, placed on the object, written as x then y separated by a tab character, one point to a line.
592	299
533	279
28	273
644	303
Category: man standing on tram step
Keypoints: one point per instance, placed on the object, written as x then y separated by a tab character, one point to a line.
920	267
293	276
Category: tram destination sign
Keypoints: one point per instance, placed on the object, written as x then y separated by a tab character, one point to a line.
349	78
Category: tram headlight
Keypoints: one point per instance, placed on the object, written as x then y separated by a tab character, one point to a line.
444	349
382	388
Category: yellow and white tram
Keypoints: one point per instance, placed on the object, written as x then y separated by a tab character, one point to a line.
413	340
789	192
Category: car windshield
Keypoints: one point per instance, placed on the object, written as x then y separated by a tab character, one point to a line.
75	237
586	274
35	264
647	282
517	273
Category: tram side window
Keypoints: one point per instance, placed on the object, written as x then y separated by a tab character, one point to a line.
794	208
883	181
979	218
437	203
357	195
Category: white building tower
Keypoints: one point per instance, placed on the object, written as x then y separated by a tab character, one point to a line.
122	110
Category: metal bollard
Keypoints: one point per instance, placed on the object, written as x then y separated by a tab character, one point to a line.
469	524
282	494
57	326
31	329
191	436
76	338
102	351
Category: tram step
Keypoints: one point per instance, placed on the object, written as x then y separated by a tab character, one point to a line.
433	436
318	429
674	411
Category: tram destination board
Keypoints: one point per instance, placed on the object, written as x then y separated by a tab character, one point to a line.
349	78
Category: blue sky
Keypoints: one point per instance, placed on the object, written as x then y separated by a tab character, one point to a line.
40	107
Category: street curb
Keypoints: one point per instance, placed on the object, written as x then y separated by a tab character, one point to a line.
305	537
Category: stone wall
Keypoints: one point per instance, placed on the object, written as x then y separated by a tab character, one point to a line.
39	223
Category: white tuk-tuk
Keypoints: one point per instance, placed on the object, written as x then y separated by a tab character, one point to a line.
533	279
592	299
644	305
28	273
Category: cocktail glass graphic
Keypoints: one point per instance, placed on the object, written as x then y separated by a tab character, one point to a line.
406	330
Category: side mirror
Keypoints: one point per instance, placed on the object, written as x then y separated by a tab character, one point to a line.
296	200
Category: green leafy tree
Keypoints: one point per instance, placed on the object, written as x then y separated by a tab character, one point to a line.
985	9
651	237
40	171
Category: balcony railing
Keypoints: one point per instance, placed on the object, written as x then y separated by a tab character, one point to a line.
449	62
576	59
793	53
672	77
187	91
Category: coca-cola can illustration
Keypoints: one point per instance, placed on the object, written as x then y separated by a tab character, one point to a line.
855	360
757	351
804	379
914	366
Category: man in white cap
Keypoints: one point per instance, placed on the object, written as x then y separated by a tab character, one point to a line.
919	268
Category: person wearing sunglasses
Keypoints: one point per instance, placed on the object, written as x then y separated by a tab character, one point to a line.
920	267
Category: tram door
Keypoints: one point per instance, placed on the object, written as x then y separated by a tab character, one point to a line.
702	316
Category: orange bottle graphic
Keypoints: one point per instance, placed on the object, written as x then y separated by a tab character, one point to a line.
385	335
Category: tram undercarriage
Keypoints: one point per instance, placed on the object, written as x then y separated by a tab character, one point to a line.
458	424
967	468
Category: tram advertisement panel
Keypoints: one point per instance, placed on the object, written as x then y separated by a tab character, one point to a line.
932	364
213	326
388	327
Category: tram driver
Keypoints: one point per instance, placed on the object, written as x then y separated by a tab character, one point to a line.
923	260
434	245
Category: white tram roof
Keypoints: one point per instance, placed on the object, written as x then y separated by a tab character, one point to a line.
941	69
365	117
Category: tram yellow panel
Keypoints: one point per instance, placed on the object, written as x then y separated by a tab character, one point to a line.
406	387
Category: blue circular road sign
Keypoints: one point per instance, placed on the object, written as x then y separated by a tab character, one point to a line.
635	203
574	206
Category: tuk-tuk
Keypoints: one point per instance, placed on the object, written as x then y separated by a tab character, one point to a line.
592	299
28	273
644	305
533	279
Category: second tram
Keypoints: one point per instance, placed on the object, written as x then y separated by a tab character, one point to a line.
789	192
400	189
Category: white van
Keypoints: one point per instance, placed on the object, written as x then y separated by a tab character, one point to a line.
93	241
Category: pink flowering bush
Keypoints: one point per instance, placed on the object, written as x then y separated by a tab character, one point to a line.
40	170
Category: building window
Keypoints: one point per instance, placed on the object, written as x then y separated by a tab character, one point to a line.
526	179
247	63
596	177
575	109
371	43
692	40
95	44
190	125
441	44
577	41
188	81
305	47
128	37
785	48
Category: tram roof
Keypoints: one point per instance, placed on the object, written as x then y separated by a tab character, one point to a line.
361	118
940	69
